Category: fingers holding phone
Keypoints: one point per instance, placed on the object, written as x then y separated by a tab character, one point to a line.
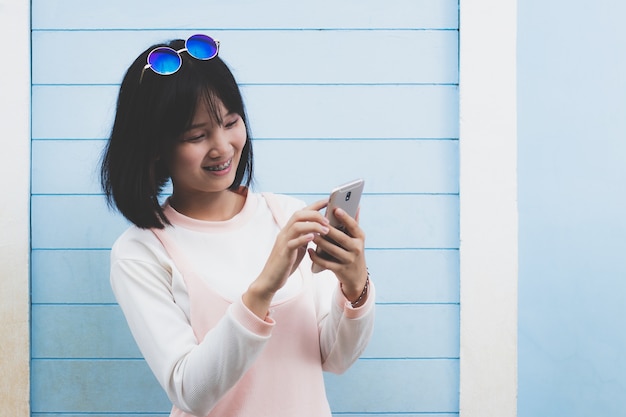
343	252
339	245
343	207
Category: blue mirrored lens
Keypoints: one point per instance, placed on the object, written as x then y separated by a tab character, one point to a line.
201	47
164	61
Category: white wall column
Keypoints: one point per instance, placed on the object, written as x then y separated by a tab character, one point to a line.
15	208
488	205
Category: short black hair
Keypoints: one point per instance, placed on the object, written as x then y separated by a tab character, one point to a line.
152	112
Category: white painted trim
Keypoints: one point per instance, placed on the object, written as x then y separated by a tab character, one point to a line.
488	208
15	209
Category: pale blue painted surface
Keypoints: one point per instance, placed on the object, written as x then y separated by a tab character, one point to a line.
347	111
372	79
430	164
572	206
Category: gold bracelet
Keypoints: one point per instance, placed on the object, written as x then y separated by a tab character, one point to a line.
363	293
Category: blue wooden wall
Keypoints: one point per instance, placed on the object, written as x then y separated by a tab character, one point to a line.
334	90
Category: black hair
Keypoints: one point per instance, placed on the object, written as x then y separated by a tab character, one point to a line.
152	112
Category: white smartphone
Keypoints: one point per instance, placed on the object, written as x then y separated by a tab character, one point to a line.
346	197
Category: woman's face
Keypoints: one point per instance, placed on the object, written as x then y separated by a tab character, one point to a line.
206	156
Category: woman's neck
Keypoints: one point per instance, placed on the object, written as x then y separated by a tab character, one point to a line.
219	206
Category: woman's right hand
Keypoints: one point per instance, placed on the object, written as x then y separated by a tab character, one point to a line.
289	249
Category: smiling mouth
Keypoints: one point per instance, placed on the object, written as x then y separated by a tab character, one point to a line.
221	167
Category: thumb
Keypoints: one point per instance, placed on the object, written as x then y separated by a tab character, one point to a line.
299	256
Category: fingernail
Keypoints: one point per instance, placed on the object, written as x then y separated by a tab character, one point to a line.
325	230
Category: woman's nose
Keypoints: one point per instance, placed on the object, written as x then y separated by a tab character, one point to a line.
218	143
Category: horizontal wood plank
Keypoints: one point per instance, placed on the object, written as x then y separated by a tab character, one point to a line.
100	332
81	332
390	221
70	276
127	386
285	57
101	386
87	222
401	276
388	166
72	166
415	276
243	14
66	166
422	331
394	386
275	111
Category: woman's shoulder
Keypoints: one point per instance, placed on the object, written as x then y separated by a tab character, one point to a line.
282	206
288	202
136	243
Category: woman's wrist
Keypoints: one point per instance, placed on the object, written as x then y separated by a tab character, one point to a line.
257	299
358	296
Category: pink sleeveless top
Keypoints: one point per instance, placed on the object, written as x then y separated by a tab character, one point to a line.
286	379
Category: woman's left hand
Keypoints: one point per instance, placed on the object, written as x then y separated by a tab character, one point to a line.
348	252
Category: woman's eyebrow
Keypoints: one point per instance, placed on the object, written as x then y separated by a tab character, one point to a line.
197	125
201	125
204	124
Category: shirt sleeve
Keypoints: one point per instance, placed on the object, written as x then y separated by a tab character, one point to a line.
344	331
195	375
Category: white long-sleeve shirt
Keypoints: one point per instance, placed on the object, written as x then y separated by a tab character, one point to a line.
205	372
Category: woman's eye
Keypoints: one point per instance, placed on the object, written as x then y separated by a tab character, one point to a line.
193	138
232	123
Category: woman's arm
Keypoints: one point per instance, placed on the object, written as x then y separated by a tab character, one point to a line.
286	255
344	331
194	374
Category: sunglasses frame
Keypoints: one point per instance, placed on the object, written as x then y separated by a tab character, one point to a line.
178	53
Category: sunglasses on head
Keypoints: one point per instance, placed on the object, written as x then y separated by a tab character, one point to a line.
164	60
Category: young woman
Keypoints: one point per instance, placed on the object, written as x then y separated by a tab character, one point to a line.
215	282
